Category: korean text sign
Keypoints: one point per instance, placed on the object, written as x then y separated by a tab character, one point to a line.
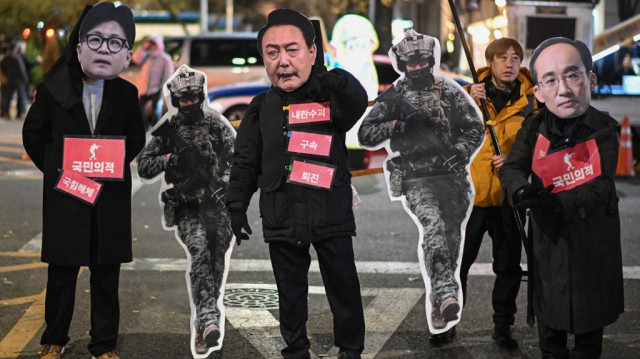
78	186
313	174
309	143
310	112
568	168
95	157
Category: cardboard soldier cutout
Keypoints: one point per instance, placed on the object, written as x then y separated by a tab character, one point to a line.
192	145
431	129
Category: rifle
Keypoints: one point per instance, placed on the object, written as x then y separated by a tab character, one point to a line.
410	113
485	110
193	160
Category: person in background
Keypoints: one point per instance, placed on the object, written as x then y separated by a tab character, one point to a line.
569	150
157	67
28	63
4	82
17	79
297	213
507	89
82	96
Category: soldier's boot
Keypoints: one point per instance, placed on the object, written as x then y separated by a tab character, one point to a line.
200	345
436	318
211	335
449	309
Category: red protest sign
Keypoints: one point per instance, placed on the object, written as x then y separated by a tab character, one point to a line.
309	112
568	168
309	143
314	174
95	157
78	186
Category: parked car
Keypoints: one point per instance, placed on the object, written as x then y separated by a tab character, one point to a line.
231	101
226	58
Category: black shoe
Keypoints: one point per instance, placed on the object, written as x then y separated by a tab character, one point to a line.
504	336
443	338
348	355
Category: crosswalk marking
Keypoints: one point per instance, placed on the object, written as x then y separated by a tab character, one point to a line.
264	265
383	315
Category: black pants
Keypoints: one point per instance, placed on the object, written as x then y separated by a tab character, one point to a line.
4	93
553	343
105	307
506	250
21	92
337	267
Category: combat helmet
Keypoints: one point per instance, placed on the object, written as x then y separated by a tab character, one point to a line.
414	44
186	83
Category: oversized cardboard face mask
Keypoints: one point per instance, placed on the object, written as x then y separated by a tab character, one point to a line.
103	52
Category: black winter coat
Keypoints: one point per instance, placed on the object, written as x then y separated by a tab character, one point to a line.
577	261
58	111
291	212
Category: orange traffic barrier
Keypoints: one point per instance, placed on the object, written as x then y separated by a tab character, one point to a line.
625	152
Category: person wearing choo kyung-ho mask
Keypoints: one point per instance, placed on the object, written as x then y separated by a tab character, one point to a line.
561	169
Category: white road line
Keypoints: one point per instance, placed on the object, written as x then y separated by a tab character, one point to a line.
264	265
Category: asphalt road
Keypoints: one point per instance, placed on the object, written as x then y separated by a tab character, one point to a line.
155	309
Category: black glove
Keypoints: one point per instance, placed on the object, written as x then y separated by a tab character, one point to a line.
413	119
238	223
170	174
529	197
187	160
424	115
401	126
327	83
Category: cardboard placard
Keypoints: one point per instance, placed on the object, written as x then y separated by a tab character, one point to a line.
95	157
312	174
78	186
309	143
308	112
568	168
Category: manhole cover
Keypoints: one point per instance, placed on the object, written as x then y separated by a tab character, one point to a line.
251	298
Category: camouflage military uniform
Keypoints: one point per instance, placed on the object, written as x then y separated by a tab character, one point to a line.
203	222
427	166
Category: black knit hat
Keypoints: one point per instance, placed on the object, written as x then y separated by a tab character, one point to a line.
581	47
107	11
288	17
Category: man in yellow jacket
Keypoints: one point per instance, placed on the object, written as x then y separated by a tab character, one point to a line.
508	91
